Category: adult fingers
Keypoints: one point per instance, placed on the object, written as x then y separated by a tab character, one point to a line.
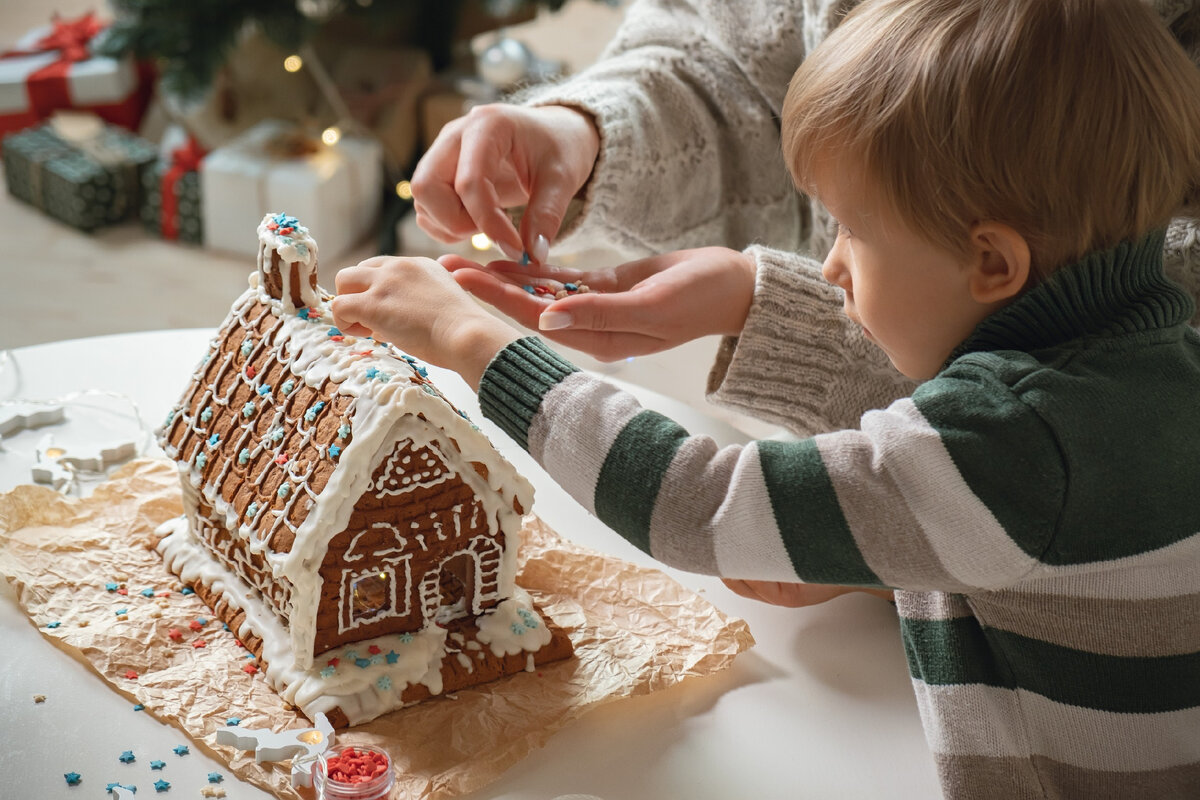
484	149
440	212
549	197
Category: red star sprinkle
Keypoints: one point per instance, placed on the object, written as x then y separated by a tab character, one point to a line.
199	643
251	371
374	650
195	625
166	593
123	591
281	459
250	669
174	634
333	662
337	338
131	674
271	226
287	230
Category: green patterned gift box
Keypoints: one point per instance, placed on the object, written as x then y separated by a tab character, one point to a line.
84	173
171	206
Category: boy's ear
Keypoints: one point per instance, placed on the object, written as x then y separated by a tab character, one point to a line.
1000	263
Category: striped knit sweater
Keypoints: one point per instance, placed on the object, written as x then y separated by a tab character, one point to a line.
1034	504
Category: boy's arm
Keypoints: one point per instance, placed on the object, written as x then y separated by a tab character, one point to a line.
881	506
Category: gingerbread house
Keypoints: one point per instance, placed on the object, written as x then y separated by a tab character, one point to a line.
351	526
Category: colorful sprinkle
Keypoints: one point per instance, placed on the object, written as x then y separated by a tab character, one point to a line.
384	682
53	625
73	778
250	669
264	390
288	386
161	786
196	624
147	593
529	289
277	433
157	764
181	750
311	414
112	586
127	757
333	332
215	777
174	634
139	707
281	459
247	347
187	590
206	414
121	611
248	409
130	674
244	456
199	643
201	460
252	510
327	672
233	722
343	431
334	451
284	490
251	371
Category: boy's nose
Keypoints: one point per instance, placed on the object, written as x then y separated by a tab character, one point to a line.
834	269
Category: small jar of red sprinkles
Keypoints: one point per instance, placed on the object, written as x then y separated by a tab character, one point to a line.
357	772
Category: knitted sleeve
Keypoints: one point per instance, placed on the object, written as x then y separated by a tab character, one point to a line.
687	99
885	505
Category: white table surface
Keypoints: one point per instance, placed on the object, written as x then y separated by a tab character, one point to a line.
821	707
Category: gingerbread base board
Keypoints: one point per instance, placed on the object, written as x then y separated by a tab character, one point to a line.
466	664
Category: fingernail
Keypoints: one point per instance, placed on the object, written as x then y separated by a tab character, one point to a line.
541	249
511	253
555	321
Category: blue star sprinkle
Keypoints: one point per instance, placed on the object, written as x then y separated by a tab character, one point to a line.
127	757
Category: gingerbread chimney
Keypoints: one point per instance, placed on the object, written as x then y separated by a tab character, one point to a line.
287	261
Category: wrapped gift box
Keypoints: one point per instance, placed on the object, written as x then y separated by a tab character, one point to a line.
79	170
53	68
171	206
336	189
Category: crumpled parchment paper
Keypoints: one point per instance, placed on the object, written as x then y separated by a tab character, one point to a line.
635	631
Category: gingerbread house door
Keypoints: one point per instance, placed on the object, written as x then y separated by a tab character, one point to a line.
449	591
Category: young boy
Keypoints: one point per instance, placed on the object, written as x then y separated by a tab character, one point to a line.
1001	174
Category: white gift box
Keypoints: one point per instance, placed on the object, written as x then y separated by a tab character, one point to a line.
97	80
335	192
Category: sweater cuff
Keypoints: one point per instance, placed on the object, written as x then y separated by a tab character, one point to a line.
516	380
798	361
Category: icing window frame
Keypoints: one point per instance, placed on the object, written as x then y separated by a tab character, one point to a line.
397	602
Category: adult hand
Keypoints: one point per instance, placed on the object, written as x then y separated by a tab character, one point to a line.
502	156
414	304
795	595
637	308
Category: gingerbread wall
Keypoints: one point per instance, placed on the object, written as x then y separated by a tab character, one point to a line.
418	540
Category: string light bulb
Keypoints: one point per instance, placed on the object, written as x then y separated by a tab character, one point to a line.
331	135
480	241
404	190
293	63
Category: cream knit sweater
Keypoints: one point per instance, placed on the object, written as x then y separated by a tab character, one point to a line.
687	98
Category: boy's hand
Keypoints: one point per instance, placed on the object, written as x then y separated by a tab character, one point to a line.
414	304
637	308
795	595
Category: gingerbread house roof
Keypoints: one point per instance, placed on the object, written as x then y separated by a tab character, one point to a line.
284	420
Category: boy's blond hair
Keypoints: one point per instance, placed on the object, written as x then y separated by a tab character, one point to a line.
1077	122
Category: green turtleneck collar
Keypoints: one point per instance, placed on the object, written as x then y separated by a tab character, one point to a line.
1108	293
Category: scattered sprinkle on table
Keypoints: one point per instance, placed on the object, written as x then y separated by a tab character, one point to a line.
215	777
157	764
127	757
181	750
39	698
73	778
161	786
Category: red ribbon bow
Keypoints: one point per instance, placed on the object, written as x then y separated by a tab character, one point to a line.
71	38
47	87
184	159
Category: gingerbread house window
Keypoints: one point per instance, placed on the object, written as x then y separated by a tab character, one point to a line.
374	594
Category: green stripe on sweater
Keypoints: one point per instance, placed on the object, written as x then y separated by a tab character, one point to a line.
514	383
632	475
814	531
960	651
